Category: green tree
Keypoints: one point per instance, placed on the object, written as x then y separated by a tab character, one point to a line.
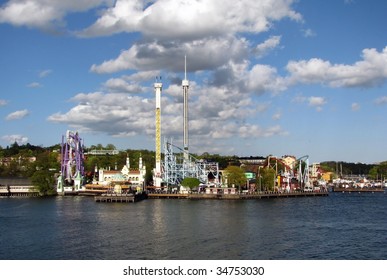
267	178
191	183
44	182
379	171
110	147
235	176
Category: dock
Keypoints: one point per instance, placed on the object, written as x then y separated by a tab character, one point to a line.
122	198
358	190
263	195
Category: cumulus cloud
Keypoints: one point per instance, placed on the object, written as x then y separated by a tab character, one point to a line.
313	101
20	139
202	54
123	86
355	106
43	14
215	113
44	73
368	72
34	85
262	107
264	78
17	115
267	46
142	76
317	102
114	114
190	19
308	33
381	100
277	116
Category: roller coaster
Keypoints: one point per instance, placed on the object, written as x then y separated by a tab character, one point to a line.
300	170
72	163
177	166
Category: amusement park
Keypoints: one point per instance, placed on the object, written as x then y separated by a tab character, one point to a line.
174	165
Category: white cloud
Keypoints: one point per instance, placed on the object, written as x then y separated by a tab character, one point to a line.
317	102
17	115
245	131
44	73
114	114
142	76
262	107
201	54
355	106
381	100
369	72
308	33
121	85
43	14
267	45
20	139
190	19
299	98
34	85
264	78
3	102
215	112
277	116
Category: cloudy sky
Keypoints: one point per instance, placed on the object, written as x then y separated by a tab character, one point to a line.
280	77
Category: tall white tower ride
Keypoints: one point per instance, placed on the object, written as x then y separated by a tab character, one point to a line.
185	84
157	174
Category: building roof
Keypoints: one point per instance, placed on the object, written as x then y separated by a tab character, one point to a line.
111	171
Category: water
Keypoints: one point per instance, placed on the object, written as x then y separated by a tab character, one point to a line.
339	226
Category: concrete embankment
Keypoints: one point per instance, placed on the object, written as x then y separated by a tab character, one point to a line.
262	195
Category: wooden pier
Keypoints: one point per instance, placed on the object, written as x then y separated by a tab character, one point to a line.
263	195
358	190
122	198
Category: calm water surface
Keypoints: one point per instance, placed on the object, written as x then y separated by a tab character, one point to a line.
340	226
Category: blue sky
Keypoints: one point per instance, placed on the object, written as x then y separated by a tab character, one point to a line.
276	77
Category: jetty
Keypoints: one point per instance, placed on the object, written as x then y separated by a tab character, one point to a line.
358	190
263	195
123	198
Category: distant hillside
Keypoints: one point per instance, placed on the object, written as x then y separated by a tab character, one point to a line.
16	153
347	168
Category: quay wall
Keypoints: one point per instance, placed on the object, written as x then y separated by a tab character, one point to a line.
360	190
262	195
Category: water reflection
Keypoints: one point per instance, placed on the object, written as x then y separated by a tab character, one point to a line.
334	227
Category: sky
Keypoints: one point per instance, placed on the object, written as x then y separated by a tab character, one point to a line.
268	77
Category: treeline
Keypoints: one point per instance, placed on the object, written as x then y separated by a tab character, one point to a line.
347	168
16	161
24	160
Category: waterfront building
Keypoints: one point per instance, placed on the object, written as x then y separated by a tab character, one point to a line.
316	171
127	175
290	161
17	187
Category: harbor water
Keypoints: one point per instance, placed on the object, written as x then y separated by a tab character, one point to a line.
341	226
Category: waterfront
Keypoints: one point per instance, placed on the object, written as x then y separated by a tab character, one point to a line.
338	226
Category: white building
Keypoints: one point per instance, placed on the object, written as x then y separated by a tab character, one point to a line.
135	177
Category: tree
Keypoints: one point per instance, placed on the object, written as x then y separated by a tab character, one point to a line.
44	182
110	147
267	178
235	176
379	172
191	183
